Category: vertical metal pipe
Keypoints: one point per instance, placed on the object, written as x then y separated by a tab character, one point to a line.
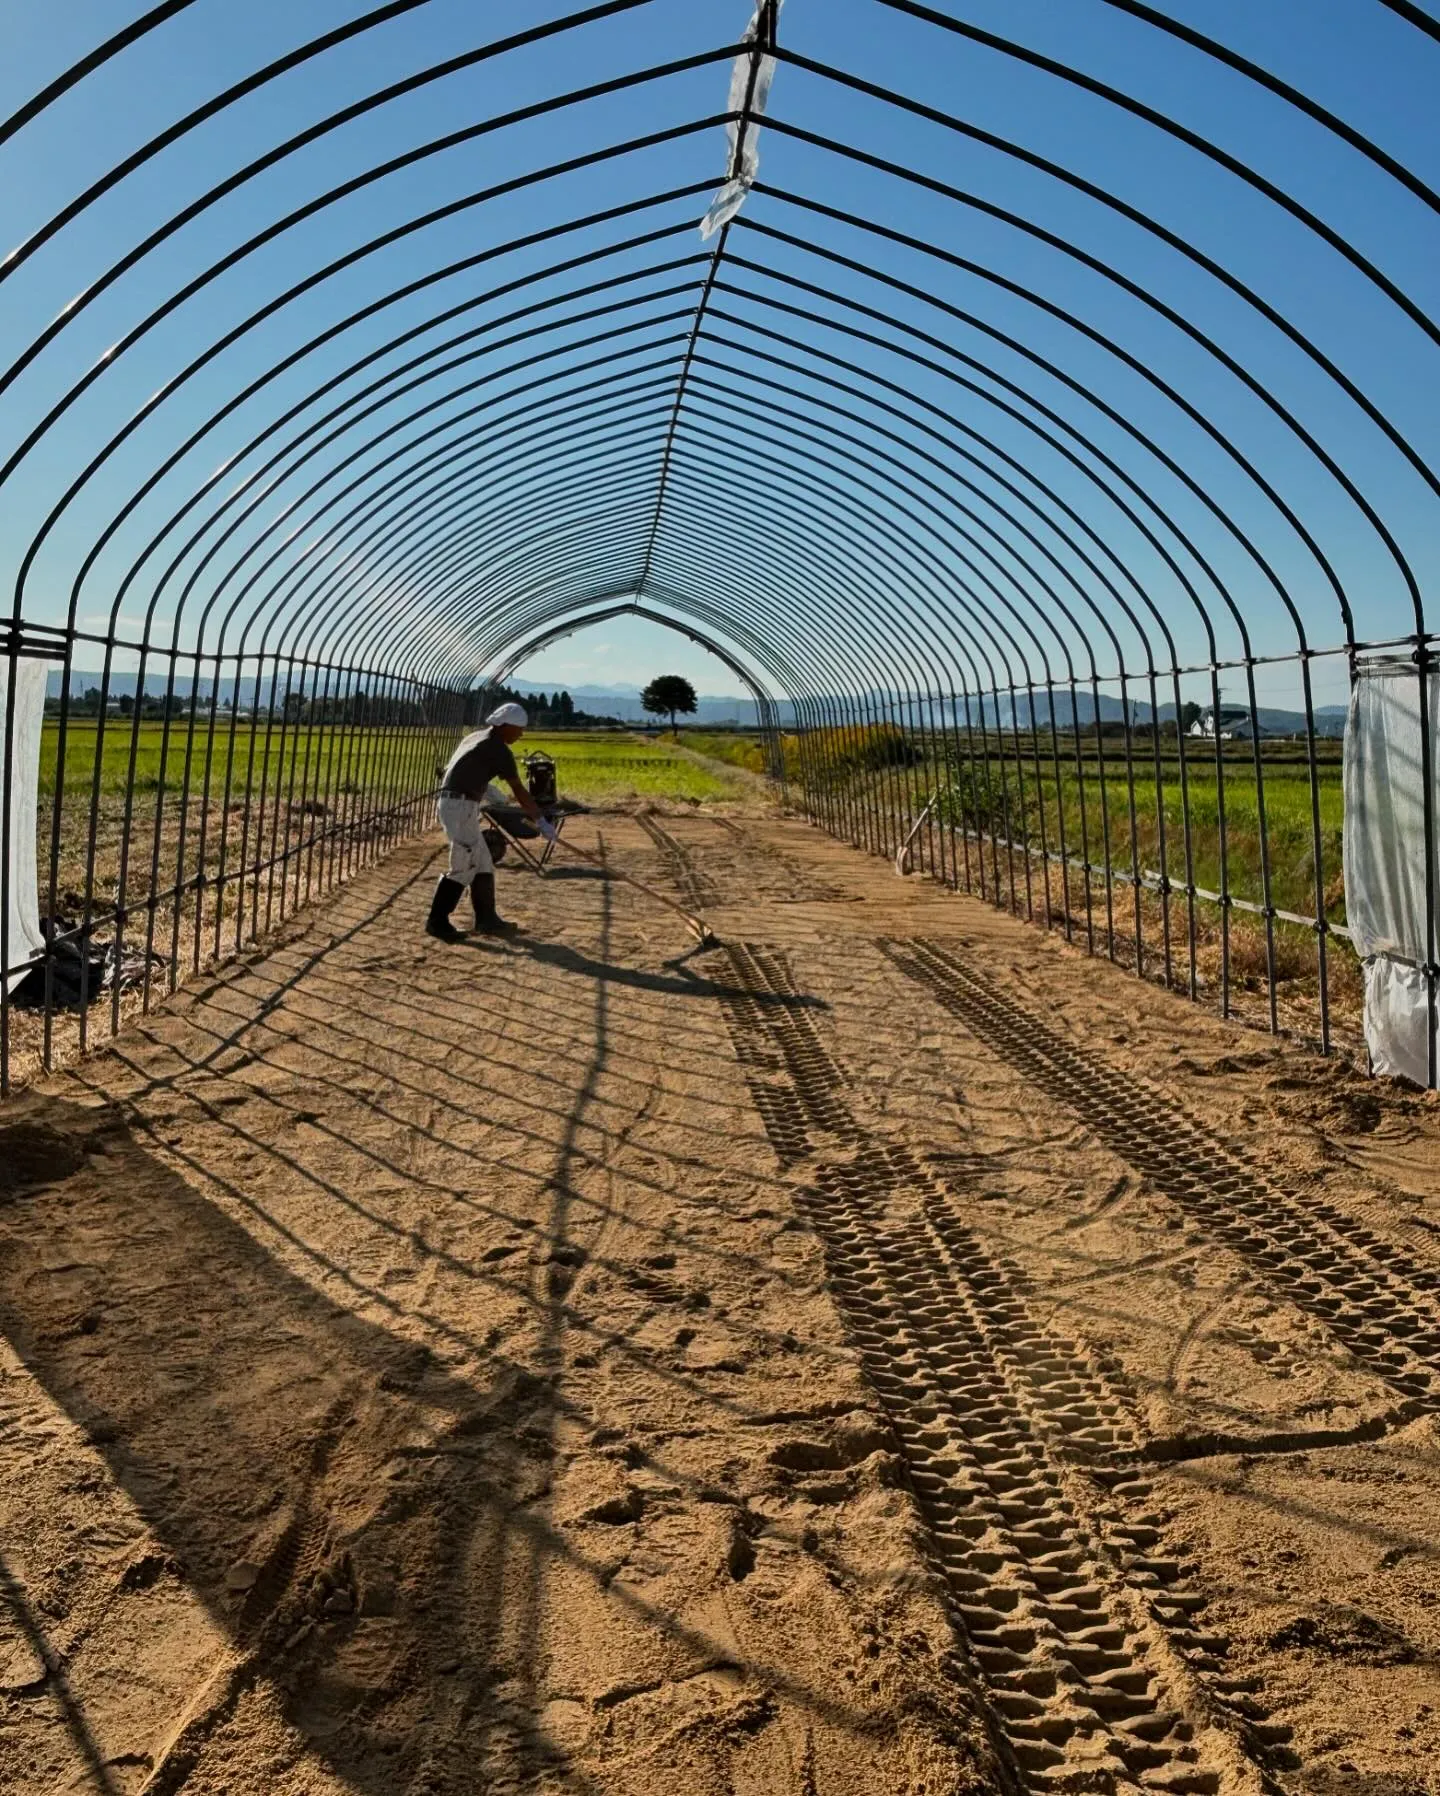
1265	880
1317	852
12	661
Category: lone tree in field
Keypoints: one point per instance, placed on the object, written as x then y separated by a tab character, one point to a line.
667	696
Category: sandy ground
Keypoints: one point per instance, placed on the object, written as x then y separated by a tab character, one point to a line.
887	1353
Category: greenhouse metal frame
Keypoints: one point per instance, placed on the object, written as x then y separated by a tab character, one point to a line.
1006	516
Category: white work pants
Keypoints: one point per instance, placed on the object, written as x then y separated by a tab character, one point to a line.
463	821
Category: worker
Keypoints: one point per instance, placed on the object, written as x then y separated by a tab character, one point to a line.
484	755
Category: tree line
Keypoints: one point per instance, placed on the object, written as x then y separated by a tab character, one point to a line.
290	707
546	711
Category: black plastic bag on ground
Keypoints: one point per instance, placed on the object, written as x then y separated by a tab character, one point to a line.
79	969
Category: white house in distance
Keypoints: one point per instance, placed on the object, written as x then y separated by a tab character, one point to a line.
1231	723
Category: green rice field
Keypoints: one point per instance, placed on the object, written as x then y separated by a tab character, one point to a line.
601	769
605	767
594	768
1098	804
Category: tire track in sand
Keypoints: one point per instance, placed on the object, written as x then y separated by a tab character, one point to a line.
1379	1303
1090	1648
699	889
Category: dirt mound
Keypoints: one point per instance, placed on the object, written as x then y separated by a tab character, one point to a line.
1345	1634
32	1154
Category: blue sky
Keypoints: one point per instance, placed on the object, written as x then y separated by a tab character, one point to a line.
629	651
1353	55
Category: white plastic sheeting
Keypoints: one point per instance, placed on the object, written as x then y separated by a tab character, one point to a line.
1385	870
731	197
18	804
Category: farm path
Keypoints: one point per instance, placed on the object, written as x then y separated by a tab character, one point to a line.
885	1353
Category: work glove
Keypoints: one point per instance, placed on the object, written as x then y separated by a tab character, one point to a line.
548	830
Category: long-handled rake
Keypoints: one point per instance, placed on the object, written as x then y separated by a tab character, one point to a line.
697	926
902	858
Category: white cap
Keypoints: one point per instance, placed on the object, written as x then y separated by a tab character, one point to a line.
511	714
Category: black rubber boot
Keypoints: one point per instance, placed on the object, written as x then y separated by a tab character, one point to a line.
438	924
482	895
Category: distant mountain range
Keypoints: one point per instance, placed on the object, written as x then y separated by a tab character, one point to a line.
82	680
1274	721
623	702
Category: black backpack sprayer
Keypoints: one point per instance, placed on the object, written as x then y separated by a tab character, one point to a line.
541	778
